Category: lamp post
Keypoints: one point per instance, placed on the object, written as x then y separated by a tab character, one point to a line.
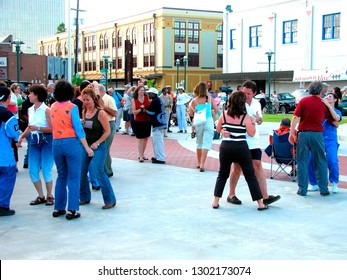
104	71
178	67
269	56
110	64
17	43
185	60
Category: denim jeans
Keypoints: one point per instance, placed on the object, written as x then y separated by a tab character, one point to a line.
311	142
92	176
181	117
109	139
98	167
41	156
8	176
67	157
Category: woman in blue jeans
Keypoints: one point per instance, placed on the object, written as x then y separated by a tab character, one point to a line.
40	145
68	135
97	129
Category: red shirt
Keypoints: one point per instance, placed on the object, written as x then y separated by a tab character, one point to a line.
312	111
142	117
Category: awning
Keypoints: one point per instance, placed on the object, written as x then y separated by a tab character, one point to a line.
254	76
320	75
153	76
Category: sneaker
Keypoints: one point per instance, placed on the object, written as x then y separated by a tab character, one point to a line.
313	188
193	135
234	200
334	188
6	211
271	199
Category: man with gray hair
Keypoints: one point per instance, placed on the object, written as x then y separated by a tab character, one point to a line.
311	111
50	99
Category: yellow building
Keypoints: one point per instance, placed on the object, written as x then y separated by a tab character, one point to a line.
159	38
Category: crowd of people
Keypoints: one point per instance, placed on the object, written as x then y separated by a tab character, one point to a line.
56	117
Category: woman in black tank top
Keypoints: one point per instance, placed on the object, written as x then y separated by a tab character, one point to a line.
235	149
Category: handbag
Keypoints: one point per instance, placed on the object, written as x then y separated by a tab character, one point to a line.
199	117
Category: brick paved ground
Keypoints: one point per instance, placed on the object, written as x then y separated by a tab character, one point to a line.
125	146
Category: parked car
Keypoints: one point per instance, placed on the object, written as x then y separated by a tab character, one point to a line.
343	106
299	94
285	103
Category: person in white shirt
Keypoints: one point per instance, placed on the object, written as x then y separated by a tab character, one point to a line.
182	100
40	147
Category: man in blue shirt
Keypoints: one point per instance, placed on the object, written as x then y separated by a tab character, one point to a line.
9	132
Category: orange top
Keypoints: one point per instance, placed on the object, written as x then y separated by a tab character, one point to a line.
62	126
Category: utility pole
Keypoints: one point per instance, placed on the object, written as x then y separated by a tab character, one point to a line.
77	33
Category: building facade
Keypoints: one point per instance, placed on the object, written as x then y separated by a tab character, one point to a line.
150	45
289	43
31	20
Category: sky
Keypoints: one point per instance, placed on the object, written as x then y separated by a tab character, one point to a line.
108	10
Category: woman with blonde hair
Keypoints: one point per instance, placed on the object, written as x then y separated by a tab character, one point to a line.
204	133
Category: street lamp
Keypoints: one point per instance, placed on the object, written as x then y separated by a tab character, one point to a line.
110	64
178	67
104	71
269	56
17	43
185	60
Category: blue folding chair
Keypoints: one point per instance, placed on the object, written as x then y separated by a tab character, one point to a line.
282	155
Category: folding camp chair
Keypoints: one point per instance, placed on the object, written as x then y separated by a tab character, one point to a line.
283	155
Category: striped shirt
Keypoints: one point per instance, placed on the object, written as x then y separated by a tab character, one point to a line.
237	131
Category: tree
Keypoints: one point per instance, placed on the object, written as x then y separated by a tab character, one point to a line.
61	28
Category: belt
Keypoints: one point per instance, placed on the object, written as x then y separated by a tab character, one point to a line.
167	106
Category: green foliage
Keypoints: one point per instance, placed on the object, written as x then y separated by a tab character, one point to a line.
151	84
61	28
278	117
77	79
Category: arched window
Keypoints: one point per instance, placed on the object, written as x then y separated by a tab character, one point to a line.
128	35
101	42
106	41
114	39
119	39
134	35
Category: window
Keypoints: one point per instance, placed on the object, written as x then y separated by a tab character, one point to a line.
255	36
114	39
331	26
119	43
232	38
193	59
101	42
106	42
134	34
119	66
193	32
290	31
148	32
146	61
219	44
180	31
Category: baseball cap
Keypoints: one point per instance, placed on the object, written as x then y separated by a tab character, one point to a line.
152	90
168	86
127	86
180	87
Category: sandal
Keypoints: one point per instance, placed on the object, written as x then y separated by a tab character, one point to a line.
57	213
49	201
72	214
38	200
193	134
